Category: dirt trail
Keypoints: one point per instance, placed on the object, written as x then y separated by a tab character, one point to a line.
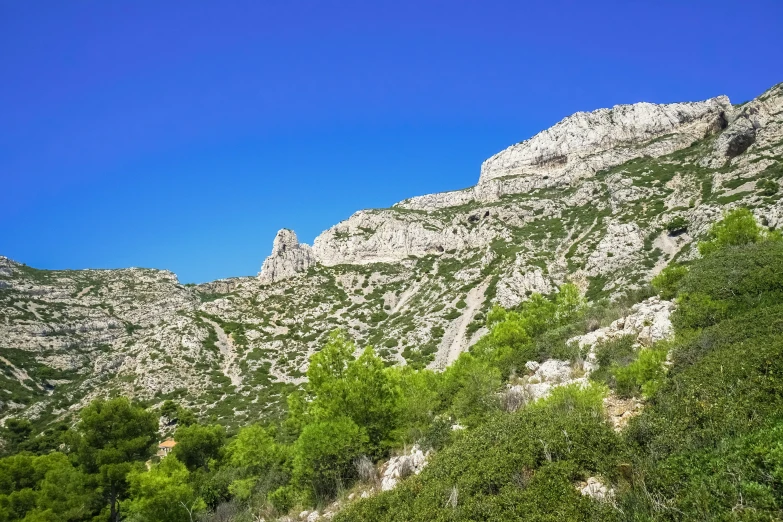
455	340
229	352
84	292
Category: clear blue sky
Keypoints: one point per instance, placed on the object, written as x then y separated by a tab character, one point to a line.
183	135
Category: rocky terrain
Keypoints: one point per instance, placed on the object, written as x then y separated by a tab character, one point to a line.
603	199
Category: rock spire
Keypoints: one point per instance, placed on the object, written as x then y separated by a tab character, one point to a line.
289	257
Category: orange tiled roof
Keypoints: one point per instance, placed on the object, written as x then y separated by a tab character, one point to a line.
168	443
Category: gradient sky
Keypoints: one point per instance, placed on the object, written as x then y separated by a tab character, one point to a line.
183	135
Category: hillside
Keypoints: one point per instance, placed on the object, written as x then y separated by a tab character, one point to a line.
604	200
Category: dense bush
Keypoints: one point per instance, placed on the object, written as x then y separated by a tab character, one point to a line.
667	283
730	281
705	447
677	225
324	455
197	445
738	228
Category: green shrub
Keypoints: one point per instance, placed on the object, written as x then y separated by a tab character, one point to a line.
677	225
610	355
197	444
324	455
452	314
768	187
283	499
668	281
737	228
723	391
644	375
729	281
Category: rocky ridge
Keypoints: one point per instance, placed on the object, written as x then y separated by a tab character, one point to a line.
585	143
587	201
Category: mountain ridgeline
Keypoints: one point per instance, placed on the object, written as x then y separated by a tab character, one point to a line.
591	200
520	306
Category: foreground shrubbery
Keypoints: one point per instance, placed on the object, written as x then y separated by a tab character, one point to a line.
514	466
707	445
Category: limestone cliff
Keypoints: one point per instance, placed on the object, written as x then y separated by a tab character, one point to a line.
588	142
584	144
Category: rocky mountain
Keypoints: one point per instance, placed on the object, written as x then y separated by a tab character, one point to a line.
603	199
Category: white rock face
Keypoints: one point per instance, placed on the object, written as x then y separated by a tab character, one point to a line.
548	375
748	120
649	321
289	257
439	200
583	144
621	245
520	283
587	142
402	466
6	266
576	148
373	236
596	490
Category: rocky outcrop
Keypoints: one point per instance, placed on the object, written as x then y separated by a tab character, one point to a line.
6	266
647	321
620	410
746	122
220	286
737	138
402	466
596	490
587	142
548	375
522	282
557	158
289	258
583	144
577	147
621	245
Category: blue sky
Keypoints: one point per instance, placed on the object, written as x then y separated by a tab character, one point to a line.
183	135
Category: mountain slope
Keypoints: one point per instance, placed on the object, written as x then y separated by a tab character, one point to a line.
603	199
